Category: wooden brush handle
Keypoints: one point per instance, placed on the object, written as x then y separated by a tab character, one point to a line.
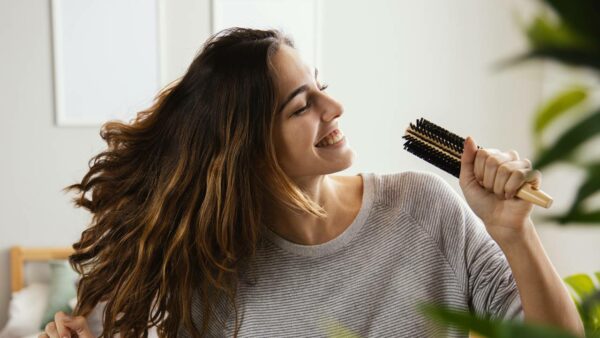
535	196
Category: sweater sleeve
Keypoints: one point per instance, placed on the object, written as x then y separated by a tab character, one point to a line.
491	285
476	258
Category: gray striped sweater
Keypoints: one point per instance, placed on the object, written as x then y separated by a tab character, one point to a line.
414	240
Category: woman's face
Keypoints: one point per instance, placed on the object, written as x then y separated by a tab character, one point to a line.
304	118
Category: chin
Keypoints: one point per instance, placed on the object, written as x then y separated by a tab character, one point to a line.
321	165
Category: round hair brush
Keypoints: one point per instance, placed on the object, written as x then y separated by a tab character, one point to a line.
444	149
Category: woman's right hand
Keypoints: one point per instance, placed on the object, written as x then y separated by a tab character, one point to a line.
64	326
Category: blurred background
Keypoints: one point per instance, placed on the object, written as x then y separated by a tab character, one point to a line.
66	66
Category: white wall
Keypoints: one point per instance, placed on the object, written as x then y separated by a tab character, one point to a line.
388	62
39	159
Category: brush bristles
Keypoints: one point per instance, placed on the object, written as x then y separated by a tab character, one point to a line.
432	155
435	145
439	134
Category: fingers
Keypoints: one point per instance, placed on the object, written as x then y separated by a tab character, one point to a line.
486	163
519	177
467	161
490	170
503	173
49	331
59	319
80	326
65	326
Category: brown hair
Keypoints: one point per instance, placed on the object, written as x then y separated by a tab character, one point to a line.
178	196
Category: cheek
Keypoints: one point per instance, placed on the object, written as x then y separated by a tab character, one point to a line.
302	136
296	139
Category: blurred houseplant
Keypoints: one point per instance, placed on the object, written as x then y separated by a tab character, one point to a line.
572	37
568	34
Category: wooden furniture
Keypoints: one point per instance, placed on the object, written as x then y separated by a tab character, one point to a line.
20	255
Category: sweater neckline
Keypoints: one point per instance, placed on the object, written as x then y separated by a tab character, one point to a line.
342	239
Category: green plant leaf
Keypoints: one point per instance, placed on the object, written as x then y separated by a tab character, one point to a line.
493	328
591	311
543	33
557	106
559	42
460	319
336	330
589	186
587	300
582	284
581	15
568	56
589	218
567	143
592	183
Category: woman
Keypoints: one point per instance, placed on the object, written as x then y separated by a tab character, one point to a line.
216	213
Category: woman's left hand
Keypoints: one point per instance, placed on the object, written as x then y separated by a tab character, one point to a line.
490	180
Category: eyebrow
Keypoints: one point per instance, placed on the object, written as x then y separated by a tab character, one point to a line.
297	91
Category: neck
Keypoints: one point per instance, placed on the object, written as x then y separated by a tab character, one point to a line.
333	195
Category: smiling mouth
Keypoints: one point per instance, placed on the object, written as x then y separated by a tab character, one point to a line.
334	137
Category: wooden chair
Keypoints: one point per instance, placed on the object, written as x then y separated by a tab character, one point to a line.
20	255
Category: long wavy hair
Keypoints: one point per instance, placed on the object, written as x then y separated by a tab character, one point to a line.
178	196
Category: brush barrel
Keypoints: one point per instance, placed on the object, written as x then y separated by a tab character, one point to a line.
535	196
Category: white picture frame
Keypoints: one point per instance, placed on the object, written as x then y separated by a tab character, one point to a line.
105	59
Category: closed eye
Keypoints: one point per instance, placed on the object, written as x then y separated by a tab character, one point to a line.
309	104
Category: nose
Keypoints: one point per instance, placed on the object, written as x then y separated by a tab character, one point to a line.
331	108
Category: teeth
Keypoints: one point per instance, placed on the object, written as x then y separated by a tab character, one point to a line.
332	138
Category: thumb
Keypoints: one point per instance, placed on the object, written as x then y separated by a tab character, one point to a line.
467	161
79	325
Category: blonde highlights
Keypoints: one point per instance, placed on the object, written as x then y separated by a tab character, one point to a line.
178	196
